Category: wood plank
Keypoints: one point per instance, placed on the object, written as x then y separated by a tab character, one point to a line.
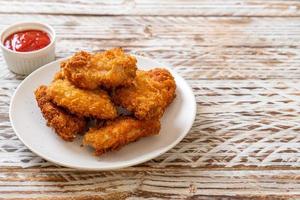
157	7
132	183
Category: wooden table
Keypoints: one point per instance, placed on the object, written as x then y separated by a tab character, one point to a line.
242	60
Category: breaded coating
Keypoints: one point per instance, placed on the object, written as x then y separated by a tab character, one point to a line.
149	95
66	125
59	75
118	133
109	69
87	103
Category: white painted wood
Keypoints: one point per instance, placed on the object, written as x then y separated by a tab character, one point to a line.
146	183
156	7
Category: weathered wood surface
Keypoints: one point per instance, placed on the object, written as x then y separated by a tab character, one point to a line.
242	60
155	7
142	183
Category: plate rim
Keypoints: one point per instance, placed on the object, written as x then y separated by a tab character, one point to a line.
120	166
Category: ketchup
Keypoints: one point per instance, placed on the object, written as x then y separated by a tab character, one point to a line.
28	40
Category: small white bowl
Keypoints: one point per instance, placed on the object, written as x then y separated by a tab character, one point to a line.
27	62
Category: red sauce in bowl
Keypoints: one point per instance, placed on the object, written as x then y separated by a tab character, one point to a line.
28	40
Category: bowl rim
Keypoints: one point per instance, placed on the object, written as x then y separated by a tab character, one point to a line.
13	26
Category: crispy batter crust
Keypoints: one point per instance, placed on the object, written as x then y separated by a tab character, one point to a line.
66	125
109	69
87	103
118	133
149	95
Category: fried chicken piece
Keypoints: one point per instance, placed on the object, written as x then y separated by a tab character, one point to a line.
109	69
149	95
118	133
59	75
66	125
87	103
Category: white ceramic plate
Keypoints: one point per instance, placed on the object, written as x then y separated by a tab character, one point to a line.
29	125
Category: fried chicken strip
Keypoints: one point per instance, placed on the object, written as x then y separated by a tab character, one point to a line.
87	103
118	133
66	125
149	95
109	69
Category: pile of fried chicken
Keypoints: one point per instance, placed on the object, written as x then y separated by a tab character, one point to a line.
106	87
